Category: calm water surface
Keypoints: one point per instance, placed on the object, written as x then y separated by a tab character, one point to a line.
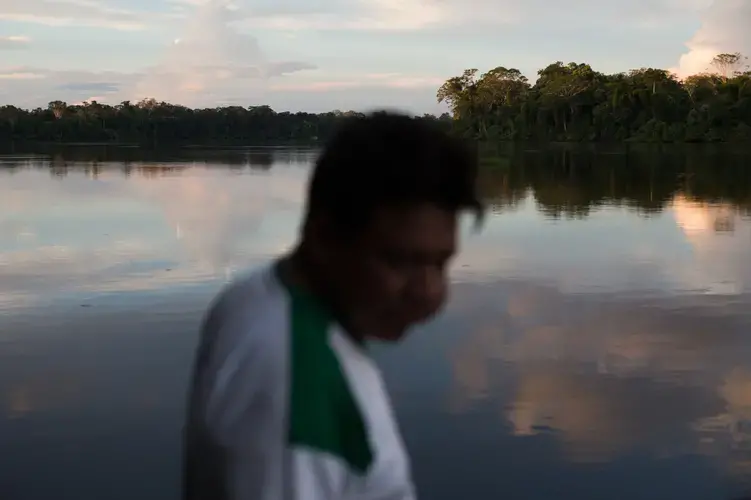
597	344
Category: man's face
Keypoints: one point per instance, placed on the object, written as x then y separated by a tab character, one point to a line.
395	273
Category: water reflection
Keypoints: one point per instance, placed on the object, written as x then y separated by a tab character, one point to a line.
595	346
608	374
140	227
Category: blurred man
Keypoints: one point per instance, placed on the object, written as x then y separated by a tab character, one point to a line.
286	403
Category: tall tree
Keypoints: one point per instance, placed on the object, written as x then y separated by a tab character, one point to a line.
728	65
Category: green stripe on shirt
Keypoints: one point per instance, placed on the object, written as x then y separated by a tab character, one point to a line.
323	413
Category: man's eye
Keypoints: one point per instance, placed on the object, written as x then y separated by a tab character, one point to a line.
396	259
398	262
404	262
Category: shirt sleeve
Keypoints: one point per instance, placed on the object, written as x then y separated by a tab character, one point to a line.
229	412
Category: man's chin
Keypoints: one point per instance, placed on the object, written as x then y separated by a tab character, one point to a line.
391	335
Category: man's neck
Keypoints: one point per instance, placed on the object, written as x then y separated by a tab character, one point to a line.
297	270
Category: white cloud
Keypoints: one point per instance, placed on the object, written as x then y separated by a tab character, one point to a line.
405	15
14	42
724	29
212	62
378	80
70	13
393	15
409	15
30	87
19	75
216	61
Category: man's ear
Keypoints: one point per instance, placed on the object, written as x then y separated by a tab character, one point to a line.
321	232
319	235
320	228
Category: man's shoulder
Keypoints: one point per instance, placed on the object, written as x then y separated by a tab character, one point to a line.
252	296
251	286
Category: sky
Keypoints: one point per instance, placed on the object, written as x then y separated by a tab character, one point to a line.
299	55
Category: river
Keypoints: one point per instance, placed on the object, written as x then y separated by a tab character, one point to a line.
597	343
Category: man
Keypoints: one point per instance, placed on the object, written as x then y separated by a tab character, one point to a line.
286	404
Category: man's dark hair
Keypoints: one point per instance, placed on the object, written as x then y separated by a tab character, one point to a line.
386	159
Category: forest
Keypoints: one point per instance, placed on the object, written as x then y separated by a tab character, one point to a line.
153	123
567	103
574	102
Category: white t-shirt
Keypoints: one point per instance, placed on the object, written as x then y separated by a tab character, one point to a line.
286	406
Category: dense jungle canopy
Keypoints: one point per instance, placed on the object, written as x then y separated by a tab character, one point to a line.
567	102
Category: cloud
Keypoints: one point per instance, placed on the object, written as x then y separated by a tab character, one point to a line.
70	13
385	80
29	87
358	15
90	86
212	62
217	61
411	15
285	68
357	98
14	42
724	28
20	75
391	15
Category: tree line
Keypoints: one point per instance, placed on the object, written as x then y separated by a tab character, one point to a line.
162	123
567	102
574	102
